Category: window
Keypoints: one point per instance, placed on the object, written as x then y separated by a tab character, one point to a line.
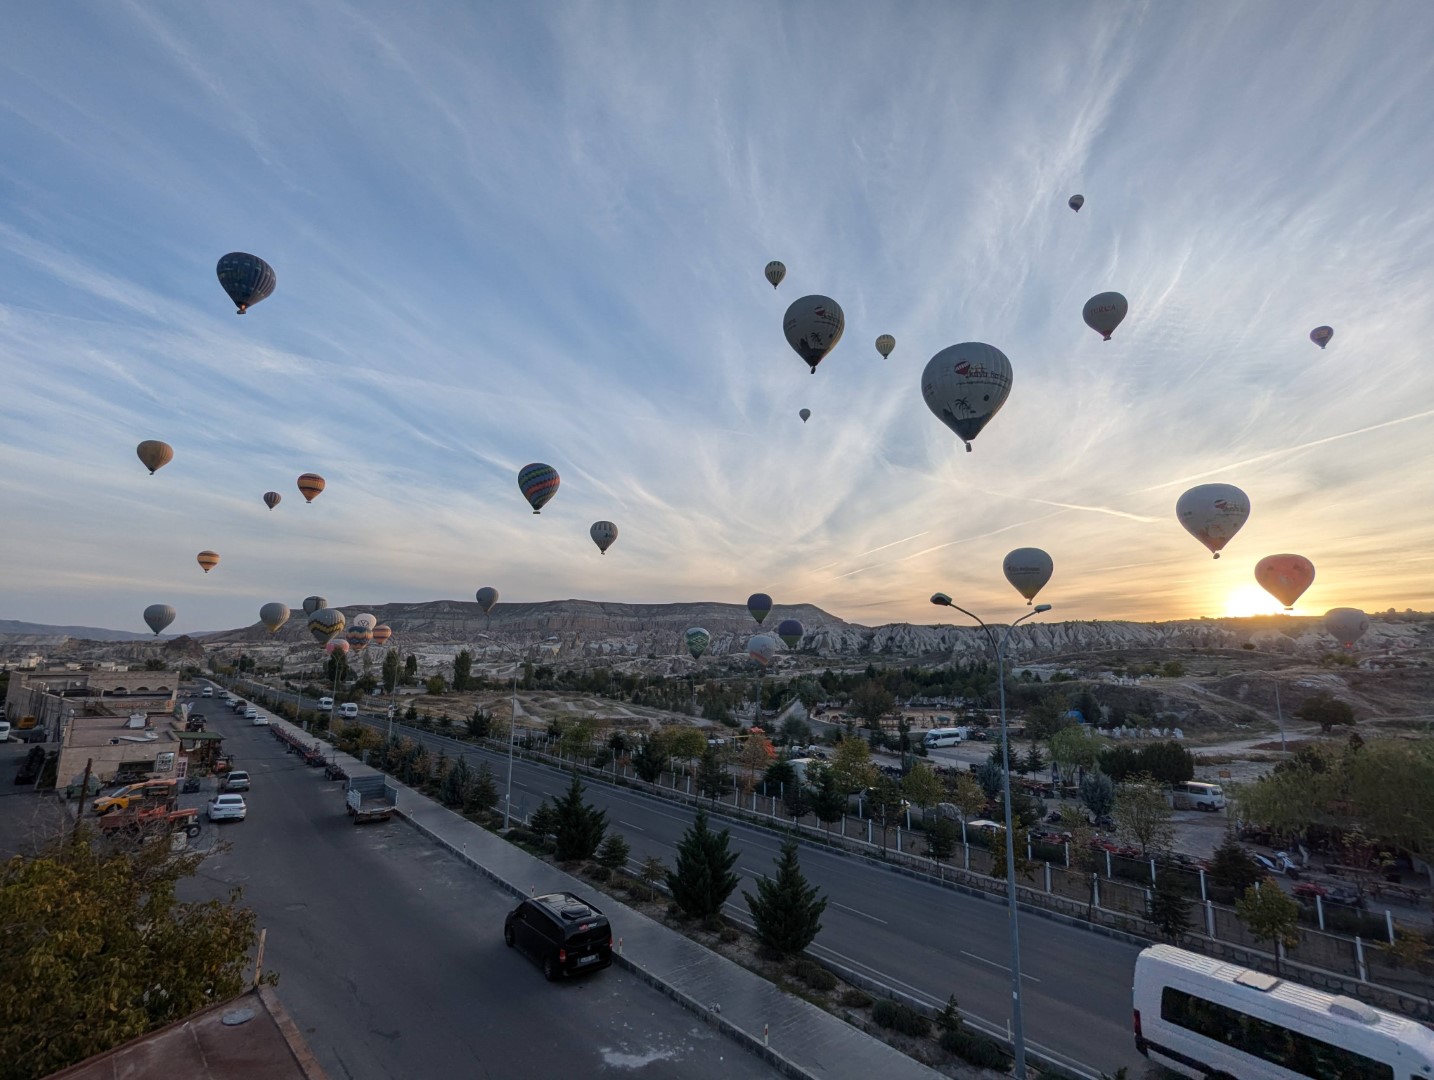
1268	1041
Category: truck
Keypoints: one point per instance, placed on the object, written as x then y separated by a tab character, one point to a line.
371	798
157	819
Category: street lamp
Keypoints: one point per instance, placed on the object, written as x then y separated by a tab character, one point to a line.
1018	1040
512	727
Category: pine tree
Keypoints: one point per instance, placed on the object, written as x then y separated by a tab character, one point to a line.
712	778
786	910
1169	907
703	879
454	787
647	762
481	793
798	800
941	839
578	826
828	802
614	852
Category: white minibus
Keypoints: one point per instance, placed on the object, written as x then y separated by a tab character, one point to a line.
944	736
1194	795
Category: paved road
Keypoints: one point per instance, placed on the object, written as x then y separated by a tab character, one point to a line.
391	956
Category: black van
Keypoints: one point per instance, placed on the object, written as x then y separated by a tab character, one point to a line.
564	932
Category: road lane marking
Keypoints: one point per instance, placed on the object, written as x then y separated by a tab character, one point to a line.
993	963
863	914
630	825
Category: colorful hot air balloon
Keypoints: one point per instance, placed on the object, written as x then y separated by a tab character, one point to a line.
158	616
1285	577
1213	513
1103	312
381	633
208	559
1028	570
885	344
805	414
310	485
154	454
246	278
272	499
965	385
696	640
775	272
1346	624
1320	335
337	645
358	637
274	615
1076	202
790	631
487	596
538	483
313	603
813	326
762	648
759	604
603	534
326	623
365	619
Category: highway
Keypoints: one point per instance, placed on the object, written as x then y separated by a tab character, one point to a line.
391	957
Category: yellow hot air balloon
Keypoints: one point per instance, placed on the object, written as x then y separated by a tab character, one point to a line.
155	454
310	485
208	559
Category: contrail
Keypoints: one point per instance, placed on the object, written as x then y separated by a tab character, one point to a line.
1077	506
873	551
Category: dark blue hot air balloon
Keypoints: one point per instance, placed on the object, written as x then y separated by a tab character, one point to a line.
759	604
790	631
246	278
538	483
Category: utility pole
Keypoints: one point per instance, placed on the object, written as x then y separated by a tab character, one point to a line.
84	794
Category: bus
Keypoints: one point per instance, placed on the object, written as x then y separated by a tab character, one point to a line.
1195	795
1205	1018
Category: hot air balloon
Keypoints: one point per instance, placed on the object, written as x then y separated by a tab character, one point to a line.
313	603
208	559
274	616
1076	202
365	620
358	637
272	499
487	596
762	648
813	326
885	344
1213	513
697	640
790	631
158	616
1285	577
154	454
381	633
326	623
1347	624
246	278
538	483
1028	569
805	414
965	385
759	604
775	272
1103	312
337	645
1320	335
603	534
310	485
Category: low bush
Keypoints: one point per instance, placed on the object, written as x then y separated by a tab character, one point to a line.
899	1017
729	935
973	1048
855	999
814	975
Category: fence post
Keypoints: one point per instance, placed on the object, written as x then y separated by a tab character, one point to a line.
1319	910
1389	925
1201	869
689	783
1068	854
965	856
1095	890
1048	876
1108	872
843	826
898	839
1359	959
868	831
774	806
1152	870
1030	853
1210	920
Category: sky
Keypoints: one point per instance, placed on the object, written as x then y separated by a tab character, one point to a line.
507	233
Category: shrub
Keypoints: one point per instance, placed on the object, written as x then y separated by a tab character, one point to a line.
814	975
729	935
899	1017
974	1048
855	999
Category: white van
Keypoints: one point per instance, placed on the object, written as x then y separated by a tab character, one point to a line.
944	736
1194	795
326	704
349	710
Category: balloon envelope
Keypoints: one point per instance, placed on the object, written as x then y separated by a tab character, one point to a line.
1076	202
1103	312
1213	513
207	559
775	272
1347	624
158	616
603	534
326	623
310	484
274	616
381	633
313	603
272	499
338	645
759	604
154	454
885	344
805	414
696	639
813	326
538	483
965	385
1320	335
246	278
364	620
358	637
1285	577
1028	569
790	631
762	648
487	596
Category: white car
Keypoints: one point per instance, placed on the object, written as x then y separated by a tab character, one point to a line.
260	720
226	808
251	713
4	731
208	691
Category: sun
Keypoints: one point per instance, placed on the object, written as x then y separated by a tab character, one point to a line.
1250	600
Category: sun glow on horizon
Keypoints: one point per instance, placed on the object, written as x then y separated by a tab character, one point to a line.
1250	600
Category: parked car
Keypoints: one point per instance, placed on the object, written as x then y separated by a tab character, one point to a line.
260	720
238	780
208	691
31	766
226	808
4	731
562	931
251	713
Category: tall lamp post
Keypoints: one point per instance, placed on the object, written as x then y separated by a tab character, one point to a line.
1018	1038
512	727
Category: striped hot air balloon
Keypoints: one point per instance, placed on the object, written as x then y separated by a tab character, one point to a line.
272	499
310	485
326	624
538	483
381	633
208	559
155	454
246	278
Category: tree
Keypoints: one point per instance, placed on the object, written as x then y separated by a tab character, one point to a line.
390	671
1167	762
992	778
577	826
453	787
828	801
796	731
941	837
543	821
886	803
410	668
1021	845
436	686
1097	793
683	742
480	723
1034	761
1142	816
968	796
481	792
1325	710
851	766
647	761
797	800
1075	747
870	702
652	871
1413	950
90	932
614	852
757	753
1048	716
703	878
462	671
336	667
1231	866
712	779
1169	907
786	910
1270	915
922	786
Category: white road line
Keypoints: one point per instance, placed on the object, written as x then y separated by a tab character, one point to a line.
749	870
863	914
630	825
993	963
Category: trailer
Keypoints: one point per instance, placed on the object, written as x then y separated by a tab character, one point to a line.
371	798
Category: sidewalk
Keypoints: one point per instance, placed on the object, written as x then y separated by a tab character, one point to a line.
802	1041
